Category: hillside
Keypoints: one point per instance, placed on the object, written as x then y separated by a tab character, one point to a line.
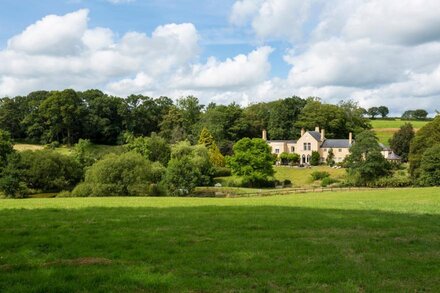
386	128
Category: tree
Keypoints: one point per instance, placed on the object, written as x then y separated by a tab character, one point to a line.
401	141
373	112
208	141
420	114
365	162
60	112
425	138
330	158
189	167
283	115
252	159
11	177
383	111
153	148
128	174
315	159
82	152
430	167
408	115
6	147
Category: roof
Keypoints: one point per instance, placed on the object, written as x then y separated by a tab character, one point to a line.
384	148
336	143
394	157
287	141
315	134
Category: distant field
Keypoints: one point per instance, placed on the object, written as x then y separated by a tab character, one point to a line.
386	128
374	241
97	150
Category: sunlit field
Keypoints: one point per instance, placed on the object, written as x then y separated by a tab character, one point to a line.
368	241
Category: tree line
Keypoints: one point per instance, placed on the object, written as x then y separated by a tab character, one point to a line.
66	116
383	111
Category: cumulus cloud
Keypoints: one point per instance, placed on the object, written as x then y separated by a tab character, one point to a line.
374	51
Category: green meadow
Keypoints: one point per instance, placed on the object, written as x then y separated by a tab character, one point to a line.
386	128
366	241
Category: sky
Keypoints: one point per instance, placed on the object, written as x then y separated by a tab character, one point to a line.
245	51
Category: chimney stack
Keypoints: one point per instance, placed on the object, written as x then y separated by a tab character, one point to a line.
264	134
317	128
303	131
322	135
350	138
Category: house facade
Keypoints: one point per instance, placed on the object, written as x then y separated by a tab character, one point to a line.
315	141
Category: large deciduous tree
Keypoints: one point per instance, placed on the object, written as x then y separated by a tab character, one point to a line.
366	163
430	167
401	141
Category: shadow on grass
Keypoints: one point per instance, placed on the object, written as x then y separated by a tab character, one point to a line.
217	249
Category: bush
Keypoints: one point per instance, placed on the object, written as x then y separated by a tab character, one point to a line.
222	172
258	181
319	175
49	171
53	145
396	181
315	160
287	183
328	181
128	174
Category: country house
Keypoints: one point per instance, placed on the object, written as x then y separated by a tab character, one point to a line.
315	141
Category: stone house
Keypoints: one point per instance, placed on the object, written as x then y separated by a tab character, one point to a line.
311	141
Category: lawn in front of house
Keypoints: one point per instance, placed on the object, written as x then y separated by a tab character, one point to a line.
370	241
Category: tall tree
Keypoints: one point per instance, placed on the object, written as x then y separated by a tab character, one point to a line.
401	141
6	147
365	162
383	111
207	140
373	112
283	117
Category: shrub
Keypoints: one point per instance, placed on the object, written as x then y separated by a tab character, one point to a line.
395	181
319	175
128	174
258	181
287	183
222	172
315	160
328	181
49	171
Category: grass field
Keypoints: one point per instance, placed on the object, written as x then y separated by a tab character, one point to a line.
300	177
373	241
96	150
386	128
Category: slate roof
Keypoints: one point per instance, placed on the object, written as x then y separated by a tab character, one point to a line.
315	134
336	144
394	157
288	141
384	148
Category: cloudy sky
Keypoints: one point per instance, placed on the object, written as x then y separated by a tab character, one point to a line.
373	51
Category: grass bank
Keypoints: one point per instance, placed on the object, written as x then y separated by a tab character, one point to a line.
381	241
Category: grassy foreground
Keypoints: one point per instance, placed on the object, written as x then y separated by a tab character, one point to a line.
373	241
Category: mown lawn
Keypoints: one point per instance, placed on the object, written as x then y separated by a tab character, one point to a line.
372	241
301	177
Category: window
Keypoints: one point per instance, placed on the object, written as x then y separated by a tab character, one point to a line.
277	151
340	150
307	146
292	149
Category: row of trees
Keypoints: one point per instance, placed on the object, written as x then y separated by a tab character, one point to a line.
383	112
67	116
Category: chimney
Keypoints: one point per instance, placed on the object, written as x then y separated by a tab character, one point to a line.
264	134
350	138
303	131
317	128
322	135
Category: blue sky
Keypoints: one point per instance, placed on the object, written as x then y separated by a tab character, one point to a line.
371	51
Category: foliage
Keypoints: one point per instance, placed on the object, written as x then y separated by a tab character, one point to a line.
189	167
319	175
337	120
427	137
430	167
315	159
6	147
128	174
289	159
383	111
222	172
328	181
11	177
252	159
365	162
207	140
418	114
401	141
49	171
373	112
283	115
392	181
82	154
154	148
330	160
